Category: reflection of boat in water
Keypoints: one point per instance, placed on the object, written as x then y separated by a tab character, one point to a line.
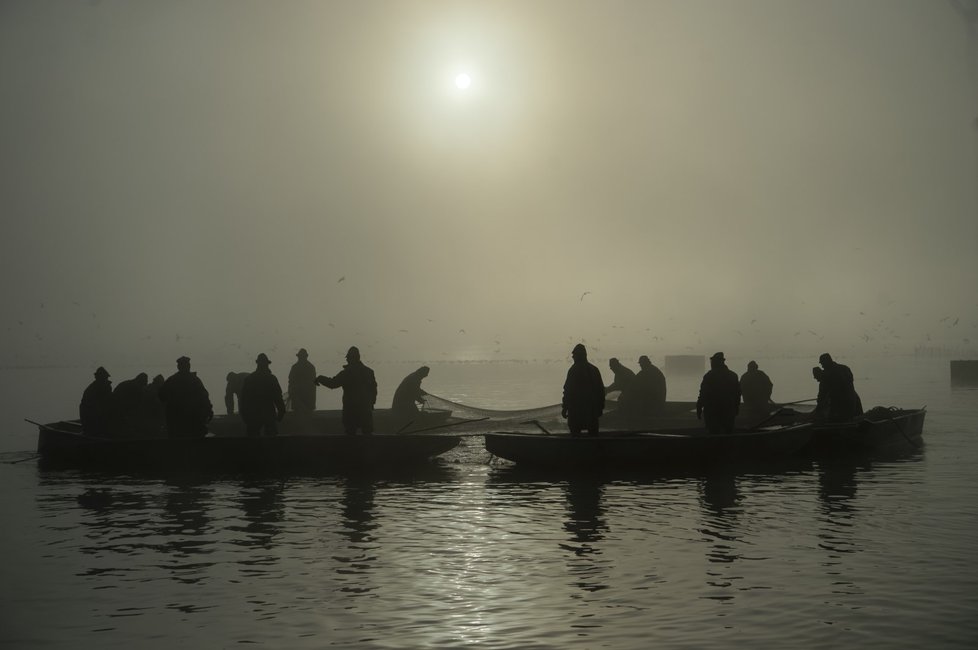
330	421
647	449
877	430
62	444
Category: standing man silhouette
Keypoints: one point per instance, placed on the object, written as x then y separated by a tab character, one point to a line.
719	399
583	401
359	393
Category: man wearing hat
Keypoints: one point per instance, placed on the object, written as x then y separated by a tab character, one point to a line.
302	384
262	406
95	409
359	393
837	396
583	401
187	403
650	387
719	399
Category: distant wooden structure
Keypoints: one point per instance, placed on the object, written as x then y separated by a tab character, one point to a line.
685	364
964	372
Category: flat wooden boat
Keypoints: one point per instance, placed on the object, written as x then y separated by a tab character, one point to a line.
878	429
682	415
62	444
330	422
647	449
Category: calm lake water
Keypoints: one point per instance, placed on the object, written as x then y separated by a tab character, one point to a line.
875	553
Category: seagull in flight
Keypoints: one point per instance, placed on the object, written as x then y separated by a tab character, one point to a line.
582	296
341	279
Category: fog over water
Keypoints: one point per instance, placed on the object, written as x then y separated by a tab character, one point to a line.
219	179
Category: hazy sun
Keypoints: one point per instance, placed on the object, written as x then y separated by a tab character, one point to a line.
463	81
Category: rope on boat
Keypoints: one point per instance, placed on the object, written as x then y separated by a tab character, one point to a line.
896	422
21	460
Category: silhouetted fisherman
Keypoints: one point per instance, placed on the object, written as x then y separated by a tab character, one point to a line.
649	388
262	406
235	382
128	394
821	400
756	388
302	383
583	401
95	409
151	408
127	398
409	394
359	393
624	377
186	402
840	400
719	398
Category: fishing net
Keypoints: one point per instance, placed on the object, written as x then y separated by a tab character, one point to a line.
544	413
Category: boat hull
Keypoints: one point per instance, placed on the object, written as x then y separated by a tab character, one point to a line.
330	422
877	430
682	415
646	449
62	447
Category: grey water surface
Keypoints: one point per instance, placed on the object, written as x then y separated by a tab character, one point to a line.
473	552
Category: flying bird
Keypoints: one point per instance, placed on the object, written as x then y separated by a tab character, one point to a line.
582	296
343	277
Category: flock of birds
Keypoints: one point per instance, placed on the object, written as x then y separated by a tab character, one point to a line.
882	331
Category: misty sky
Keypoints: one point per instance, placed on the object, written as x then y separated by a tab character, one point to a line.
190	177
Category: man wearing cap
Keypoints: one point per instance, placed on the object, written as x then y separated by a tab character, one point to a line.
95	410
583	401
756	387
302	383
650	388
262	406
719	399
359	393
187	403
838	399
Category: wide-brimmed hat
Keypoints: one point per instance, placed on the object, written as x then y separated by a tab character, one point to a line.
263	358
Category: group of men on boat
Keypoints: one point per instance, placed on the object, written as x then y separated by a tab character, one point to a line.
722	393
180	404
